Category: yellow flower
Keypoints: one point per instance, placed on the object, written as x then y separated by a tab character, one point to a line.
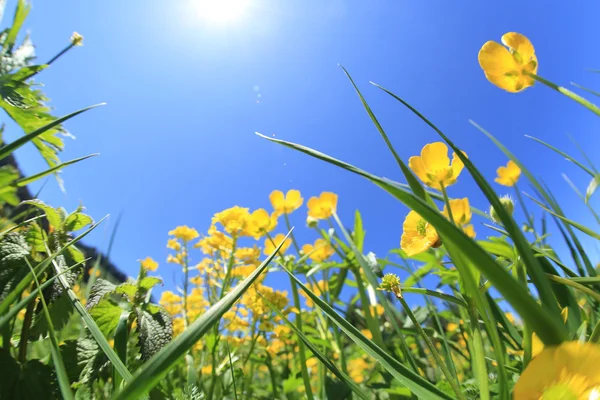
270	247
509	175
320	252
537	346
318	289
234	220
508	68
567	371
433	167
461	213
248	255
451	327
417	236
286	204
173	244
261	222
149	264
322	207
184	233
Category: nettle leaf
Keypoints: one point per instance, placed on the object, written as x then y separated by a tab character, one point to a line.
155	331
149	282
8	192
53	215
75	255
60	313
36	237
76	221
13	267
106	314
56	289
91	361
99	289
127	289
30	381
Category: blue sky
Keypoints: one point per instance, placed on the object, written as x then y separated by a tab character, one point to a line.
185	97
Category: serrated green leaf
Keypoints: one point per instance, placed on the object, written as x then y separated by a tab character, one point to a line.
91	360
13	252
8	174
52	215
149	282
76	221
21	12
30	381
60	311
99	289
128	289
106	314
155	332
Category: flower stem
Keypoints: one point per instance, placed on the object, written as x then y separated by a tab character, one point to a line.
436	356
573	96
447	202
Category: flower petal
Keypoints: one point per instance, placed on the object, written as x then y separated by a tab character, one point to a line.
277	200
435	156
457	165
495	59
415	163
508	83
293	199
520	44
330	199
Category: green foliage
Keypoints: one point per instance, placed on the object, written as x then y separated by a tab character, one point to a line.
32	380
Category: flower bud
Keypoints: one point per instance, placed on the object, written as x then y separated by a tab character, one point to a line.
76	39
311	222
508	204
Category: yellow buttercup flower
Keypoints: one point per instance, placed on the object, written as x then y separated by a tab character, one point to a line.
320	251
509	175
286	204
433	167
461	213
270	246
418	235
567	371
184	233
261	222
173	244
508	67
234	220
149	264
322	207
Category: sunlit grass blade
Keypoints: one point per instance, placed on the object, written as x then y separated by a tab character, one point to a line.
9	148
413	182
550	330
27	279
575	285
433	293
582	197
14	310
154	370
419	386
565	155
330	365
533	267
26	181
573	96
61	373
572	223
586	89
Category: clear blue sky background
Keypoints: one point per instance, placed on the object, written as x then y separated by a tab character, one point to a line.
177	137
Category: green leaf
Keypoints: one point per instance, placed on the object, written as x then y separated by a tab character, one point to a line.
21	12
52	214
91	360
60	312
99	289
359	232
76	221
155	332
106	314
30	381
149	282
128	289
549	329
158	366
13	253
8	193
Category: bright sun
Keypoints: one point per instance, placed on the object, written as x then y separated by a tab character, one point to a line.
221	11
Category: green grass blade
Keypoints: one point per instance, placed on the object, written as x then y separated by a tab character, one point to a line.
582	197
9	148
19	225
574	224
154	370
61	373
121	339
26	181
419	386
433	293
330	366
565	155
534	269
586	89
550	330
575	285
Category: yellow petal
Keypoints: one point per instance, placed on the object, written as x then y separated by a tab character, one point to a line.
469	230
277	200
293	199
457	165
435	156
330	199
411	221
509	83
307	248
520	44
495	59
415	163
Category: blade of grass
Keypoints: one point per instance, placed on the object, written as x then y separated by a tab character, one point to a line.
586	89
534	269
550	330
433	293
565	155
26	181
419	386
330	365
9	148
151	372
61	372
121	339
582	197
575	285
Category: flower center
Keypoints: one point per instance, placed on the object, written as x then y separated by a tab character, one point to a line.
422	227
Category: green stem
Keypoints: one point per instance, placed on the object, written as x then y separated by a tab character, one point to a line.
365	304
447	202
527	332
273	378
25	332
436	356
575	97
478	358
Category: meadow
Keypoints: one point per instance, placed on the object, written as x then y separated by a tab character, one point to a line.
509	317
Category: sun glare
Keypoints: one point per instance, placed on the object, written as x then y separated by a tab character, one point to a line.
221	11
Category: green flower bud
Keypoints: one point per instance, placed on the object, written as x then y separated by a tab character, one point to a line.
509	206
